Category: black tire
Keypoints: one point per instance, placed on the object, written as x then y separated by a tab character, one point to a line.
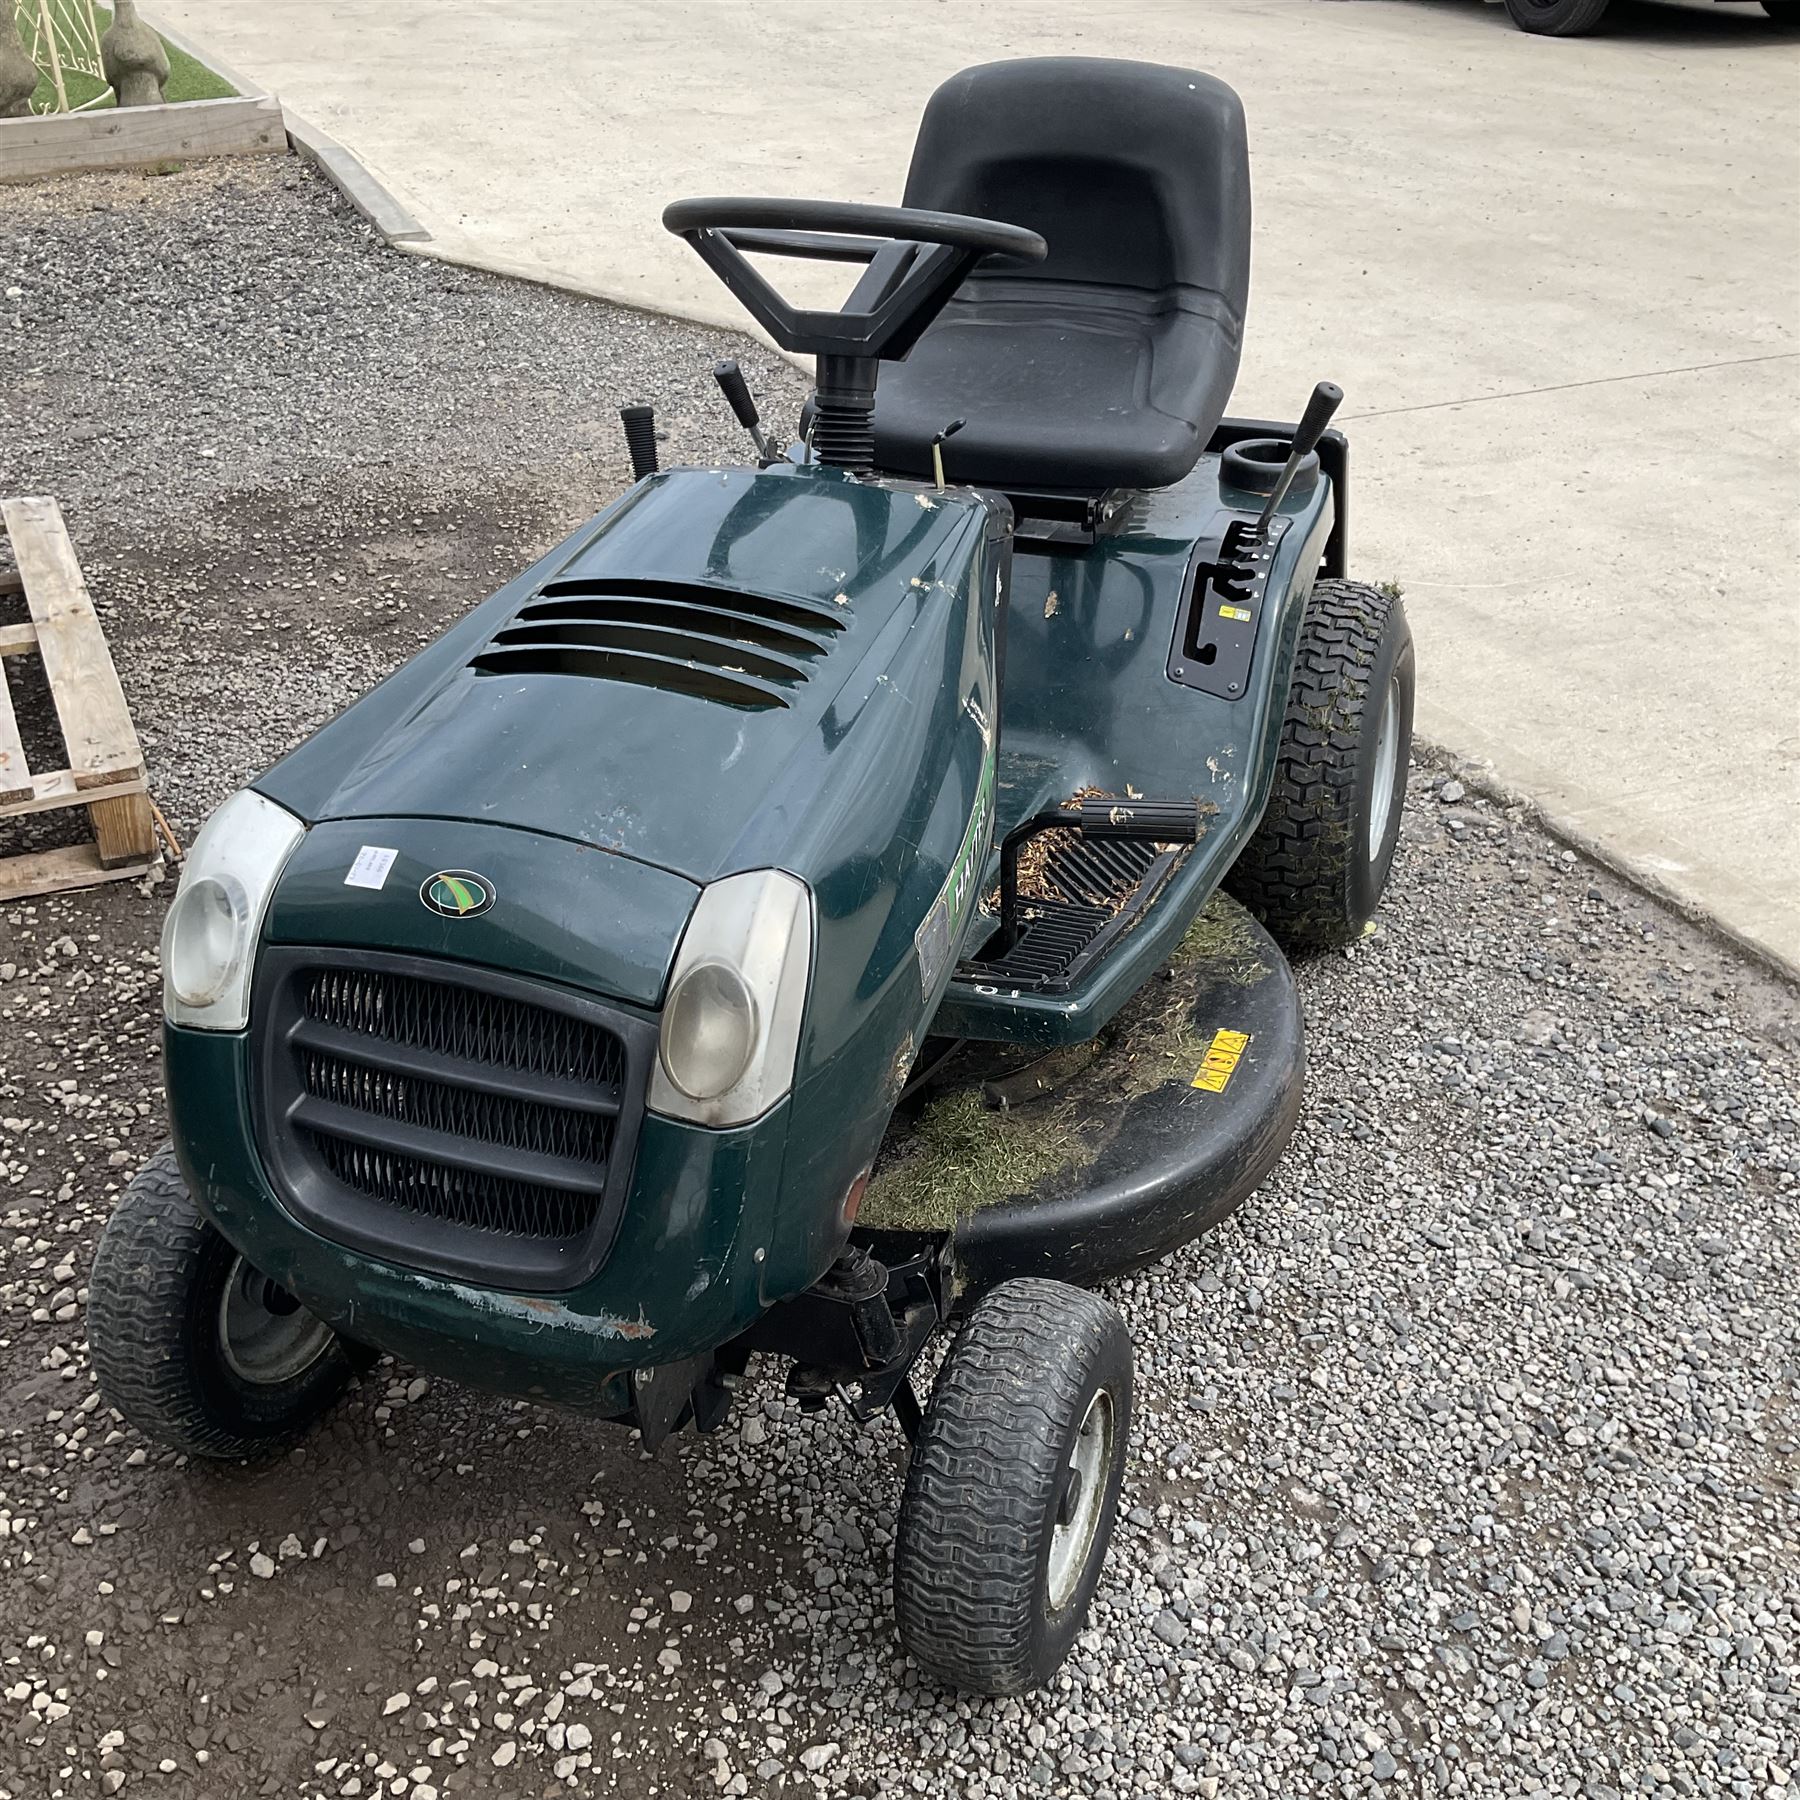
1316	869
156	1333
1557	18
990	1474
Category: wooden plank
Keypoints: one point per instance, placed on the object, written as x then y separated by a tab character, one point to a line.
124	137
15	776
18	640
53	871
90	704
48	792
124	831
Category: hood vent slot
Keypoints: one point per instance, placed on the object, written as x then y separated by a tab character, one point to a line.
748	650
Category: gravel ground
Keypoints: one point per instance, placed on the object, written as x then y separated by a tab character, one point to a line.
1465	1458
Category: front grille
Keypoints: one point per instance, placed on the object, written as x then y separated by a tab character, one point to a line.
497	1119
462	1024
447	1117
487	1202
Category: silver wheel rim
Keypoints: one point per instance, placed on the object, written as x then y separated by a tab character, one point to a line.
1090	1464
265	1335
1387	753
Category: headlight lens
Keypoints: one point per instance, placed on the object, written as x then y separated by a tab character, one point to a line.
209	937
709	1033
206	939
731	1025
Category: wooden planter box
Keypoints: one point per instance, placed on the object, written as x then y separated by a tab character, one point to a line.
125	137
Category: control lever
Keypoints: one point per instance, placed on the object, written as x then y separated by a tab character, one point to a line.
937	449
737	396
1327	397
640	439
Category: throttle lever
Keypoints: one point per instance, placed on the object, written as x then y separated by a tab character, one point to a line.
737	396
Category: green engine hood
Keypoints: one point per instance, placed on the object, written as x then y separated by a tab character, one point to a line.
682	781
561	910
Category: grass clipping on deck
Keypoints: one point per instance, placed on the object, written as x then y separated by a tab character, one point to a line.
959	1156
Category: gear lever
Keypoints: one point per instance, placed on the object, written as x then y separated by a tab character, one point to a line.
1327	397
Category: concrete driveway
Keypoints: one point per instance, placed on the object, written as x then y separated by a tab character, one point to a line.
1557	279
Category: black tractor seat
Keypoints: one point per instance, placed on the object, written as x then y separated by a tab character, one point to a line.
1109	364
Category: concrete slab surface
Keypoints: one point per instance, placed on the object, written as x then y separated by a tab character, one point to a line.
1559	281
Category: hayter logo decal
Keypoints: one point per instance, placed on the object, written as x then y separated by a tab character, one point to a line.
457	893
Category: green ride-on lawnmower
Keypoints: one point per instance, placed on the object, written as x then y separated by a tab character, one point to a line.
790	918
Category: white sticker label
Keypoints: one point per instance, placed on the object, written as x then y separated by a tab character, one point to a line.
371	867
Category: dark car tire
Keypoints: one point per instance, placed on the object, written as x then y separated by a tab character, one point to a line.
190	1345
1013	1488
1316	869
1557	18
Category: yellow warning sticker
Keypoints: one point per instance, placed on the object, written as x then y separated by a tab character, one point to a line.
1235	612
1221	1063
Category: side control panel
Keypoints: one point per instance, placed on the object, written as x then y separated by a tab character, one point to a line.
1216	628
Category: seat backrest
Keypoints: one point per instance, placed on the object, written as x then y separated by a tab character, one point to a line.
1137	175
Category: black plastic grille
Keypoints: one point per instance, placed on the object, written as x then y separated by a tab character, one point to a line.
739	649
450	1117
459	1196
462	1023
496	1119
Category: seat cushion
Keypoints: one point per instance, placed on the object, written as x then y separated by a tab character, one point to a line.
1110	363
1061	387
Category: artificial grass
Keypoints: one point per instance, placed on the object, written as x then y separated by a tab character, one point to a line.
188	80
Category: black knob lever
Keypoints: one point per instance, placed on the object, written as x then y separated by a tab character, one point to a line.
640	438
737	396
937	450
1327	397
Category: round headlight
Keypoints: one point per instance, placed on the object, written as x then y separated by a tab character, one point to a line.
709	1031
205	938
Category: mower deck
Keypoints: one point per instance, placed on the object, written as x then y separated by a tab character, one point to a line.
1097	1159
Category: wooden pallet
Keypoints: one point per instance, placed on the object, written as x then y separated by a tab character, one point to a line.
106	763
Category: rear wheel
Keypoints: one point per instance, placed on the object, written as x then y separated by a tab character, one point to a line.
192	1345
1557	18
1013	1487
1317	867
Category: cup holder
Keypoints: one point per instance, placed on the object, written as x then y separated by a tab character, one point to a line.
1254	465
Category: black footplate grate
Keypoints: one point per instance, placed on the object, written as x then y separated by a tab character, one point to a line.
449	1117
1081	896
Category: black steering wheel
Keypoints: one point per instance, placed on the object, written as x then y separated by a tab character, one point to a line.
916	261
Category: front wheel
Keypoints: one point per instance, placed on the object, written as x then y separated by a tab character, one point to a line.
191	1344
1557	18
1013	1487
